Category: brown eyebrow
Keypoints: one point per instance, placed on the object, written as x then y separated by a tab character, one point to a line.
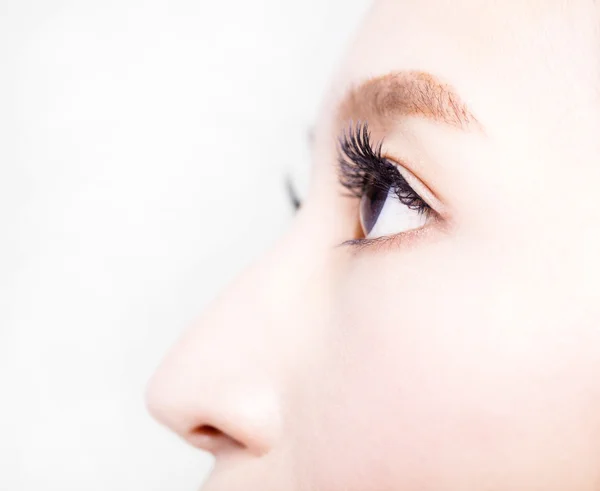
409	93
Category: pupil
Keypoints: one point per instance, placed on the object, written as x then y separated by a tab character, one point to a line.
371	205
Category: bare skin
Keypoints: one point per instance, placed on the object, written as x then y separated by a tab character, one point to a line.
460	355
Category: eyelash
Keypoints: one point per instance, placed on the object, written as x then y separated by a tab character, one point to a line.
362	166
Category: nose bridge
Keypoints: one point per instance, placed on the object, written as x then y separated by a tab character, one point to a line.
225	371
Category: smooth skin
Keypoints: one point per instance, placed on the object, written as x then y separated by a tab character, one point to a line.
465	357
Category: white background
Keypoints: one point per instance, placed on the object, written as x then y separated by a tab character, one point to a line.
143	146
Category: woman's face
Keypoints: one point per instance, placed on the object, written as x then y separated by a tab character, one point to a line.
432	320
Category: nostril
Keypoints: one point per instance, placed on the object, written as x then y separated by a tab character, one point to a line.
209	431
211	439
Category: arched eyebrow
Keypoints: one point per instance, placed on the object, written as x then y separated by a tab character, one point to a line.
401	94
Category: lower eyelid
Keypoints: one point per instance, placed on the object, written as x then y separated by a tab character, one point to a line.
410	238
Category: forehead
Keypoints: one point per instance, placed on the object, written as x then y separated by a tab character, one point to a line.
530	65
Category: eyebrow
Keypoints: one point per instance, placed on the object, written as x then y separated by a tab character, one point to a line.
401	94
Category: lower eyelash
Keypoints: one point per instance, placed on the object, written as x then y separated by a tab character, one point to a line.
394	241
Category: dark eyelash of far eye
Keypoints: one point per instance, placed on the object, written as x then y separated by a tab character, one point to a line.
292	194
362	167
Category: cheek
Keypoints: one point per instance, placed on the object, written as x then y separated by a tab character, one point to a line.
441	377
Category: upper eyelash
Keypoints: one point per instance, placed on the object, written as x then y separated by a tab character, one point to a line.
361	165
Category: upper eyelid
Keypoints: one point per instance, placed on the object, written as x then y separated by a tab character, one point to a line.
424	191
360	160
356	141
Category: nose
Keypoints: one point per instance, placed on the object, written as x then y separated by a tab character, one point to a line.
218	386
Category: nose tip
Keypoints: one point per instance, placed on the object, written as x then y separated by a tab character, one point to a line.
221	386
216	411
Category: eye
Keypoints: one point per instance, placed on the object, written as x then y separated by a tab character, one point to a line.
386	210
392	199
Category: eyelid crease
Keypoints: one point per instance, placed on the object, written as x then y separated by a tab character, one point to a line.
423	190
